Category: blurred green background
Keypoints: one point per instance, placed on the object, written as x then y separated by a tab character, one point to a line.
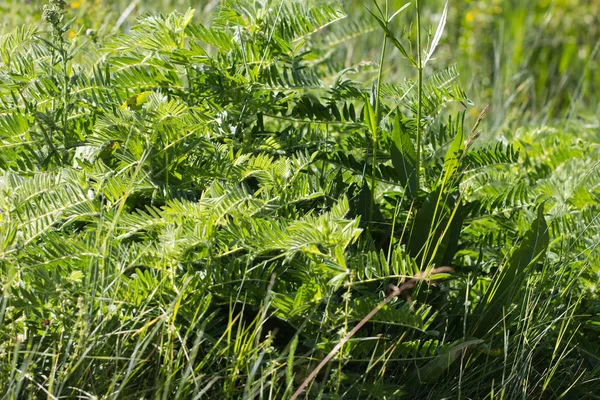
533	61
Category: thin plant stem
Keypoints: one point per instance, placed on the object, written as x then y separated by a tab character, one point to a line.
377	113
419	95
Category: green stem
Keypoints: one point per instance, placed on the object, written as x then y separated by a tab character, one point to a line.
419	95
377	114
65	97
380	74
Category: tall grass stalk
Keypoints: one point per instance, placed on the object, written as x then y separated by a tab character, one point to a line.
419	94
378	113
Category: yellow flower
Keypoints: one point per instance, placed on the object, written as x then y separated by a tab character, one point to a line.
71	34
75	4
470	16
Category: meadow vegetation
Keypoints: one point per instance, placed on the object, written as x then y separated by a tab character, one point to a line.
204	199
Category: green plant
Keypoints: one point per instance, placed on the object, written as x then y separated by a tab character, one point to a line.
194	210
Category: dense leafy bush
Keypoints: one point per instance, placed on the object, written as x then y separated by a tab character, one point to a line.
195	210
532	59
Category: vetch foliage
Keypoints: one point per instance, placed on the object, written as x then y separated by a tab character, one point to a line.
198	210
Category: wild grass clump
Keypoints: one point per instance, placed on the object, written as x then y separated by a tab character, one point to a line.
195	210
